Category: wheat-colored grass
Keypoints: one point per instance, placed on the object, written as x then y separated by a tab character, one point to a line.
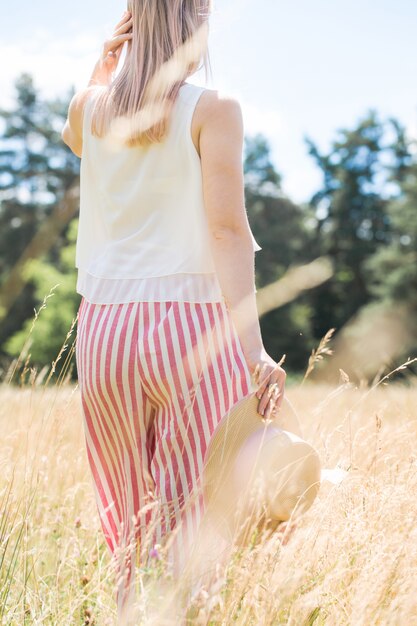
351	560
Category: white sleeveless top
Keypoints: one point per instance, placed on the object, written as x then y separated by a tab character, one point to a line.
143	231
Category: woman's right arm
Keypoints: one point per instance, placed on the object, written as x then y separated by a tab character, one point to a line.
221	145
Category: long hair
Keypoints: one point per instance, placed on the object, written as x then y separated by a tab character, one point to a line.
169	42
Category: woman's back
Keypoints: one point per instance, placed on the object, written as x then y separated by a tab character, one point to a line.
142	216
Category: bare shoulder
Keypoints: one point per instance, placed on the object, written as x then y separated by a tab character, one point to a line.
77	105
72	132
219	108
218	120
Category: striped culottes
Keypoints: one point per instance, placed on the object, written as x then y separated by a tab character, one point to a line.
155	379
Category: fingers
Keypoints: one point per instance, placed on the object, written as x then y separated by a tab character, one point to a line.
271	393
261	378
271	399
114	45
124	27
125	17
117	41
122	33
274	402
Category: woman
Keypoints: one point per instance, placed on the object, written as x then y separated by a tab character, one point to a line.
168	335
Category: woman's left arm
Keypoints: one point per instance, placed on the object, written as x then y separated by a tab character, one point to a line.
72	133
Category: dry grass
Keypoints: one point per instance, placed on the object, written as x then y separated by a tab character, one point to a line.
351	560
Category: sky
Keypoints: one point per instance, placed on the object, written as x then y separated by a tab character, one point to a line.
299	68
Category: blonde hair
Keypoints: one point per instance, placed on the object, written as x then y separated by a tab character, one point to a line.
170	39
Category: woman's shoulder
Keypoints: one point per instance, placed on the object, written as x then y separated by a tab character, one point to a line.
215	98
218	107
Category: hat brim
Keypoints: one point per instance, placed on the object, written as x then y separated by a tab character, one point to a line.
246	449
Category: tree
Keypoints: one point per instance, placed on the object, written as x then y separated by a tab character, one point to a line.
351	211
55	320
392	270
280	228
38	196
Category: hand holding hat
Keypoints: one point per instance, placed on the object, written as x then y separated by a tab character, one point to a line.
254	469
269	378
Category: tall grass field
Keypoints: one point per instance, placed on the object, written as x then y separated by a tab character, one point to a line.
351	559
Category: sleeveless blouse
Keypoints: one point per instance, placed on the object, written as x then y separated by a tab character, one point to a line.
143	232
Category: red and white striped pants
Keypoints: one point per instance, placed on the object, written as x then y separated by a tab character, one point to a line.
155	379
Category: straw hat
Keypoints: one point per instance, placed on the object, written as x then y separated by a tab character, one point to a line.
255	471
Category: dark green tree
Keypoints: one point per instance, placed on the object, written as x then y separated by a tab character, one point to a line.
280	228
351	210
392	270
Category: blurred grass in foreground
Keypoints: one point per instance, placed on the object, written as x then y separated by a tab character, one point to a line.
351	560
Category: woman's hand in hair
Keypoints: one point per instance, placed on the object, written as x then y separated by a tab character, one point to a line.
112	48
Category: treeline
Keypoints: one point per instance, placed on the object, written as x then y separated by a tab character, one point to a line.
362	222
